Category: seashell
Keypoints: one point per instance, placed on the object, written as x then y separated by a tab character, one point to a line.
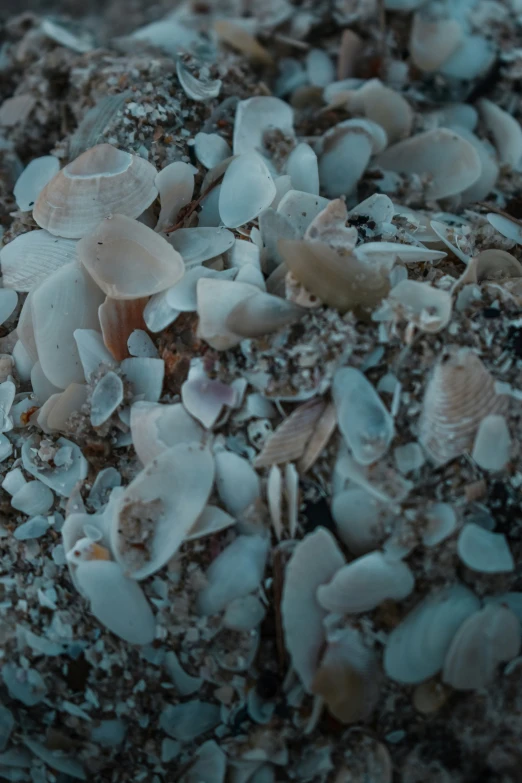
235	573
360	519
416	648
94	122
70	466
184	683
490	636
346	153
145	377
175	184
128	260
240	40
433	41
256	116
92	351
315	560
118	319
496	264
205	398
102	181
303	169
378	207
484	551
506	132
289	440
66	301
385	107
33	179
212	520
210	765
189	720
116	601
262	314
365	583
362	417
460	393
104	483
216	299
253	275
450	236
319	439
474	57
237	483
408	458
41	385
8	303
67	403
155	428
329	226
451	161
183	295
140	344
292	497
299	209
274	492
106	398
211	149
492	447
247	189
33	498
159	507
319	68
30	258
487	180
196	245
158	314
349	53
508	228
23	363
421	304
441	522
7	395
244	253
347	678
202	89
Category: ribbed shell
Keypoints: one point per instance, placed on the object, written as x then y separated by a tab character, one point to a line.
289	440
30	258
460	393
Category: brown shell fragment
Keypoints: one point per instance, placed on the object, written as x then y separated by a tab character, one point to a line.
289	440
323	431
118	319
460	393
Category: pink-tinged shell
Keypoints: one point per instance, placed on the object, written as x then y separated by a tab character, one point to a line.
288	442
118	319
460	393
314	562
100	182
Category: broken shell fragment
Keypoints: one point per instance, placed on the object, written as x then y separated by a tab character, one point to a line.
421	304
384	106
254	117
159	507
360	519
196	245
303	169
247	189
30	258
70	466
433	41
484	551
417	647
216	299
155	428
106	398
118	319
490	636
202	89
128	260
211	149
175	184
289	440
102	181
261	314
496	264
33	179
364	421
492	447
346	153
506	132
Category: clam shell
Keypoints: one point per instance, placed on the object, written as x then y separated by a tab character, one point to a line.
155	428
211	149
433	41
118	319
492	447
303	169
257	115
314	562
247	189
506	132
417	647
128	260
460	393
102	181
346	153
116	601
484	551
364	421
33	179
453	163
490	636
497	264
487	180
68	300
387	108
289	440
159	507
237	483
360	519
30	258
175	184
365	583
158	314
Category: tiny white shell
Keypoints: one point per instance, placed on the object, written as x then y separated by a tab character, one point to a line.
237	482
33	179
303	169
106	398
505	130
247	189
175	184
492	447
484	551
360	519
508	228
197	89
197	245
211	149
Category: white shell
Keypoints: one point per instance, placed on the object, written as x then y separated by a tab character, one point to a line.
204	398
360	519
421	304
346	153
492	447
212	520
505	130
140	344
303	169
237	482
450	236
261	314
33	179
484	551
70	466
145	376
173	490
433	41
158	314
408	457
106	398
474	57
417	647
257	115
508	228
299	209
175	184
386	107
235	573
216	299
441	522
128	260
183	295
66	301
247	189
364	421
30	258
197	89
8	302
117	602
452	162
365	583
482	186
196	245
319	68
156	428
92	351
211	149
66	404
490	636
314	562
102	181
41	385
33	498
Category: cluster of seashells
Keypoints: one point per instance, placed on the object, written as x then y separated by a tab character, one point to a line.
109	269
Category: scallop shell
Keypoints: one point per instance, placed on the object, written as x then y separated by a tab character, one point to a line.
128	260
460	393
155	428
365	583
289	440
33	179
257	115
492	447
314	562
102	181
30	258
452	162
417	647
159	507
505	130
175	184
489	637
118	319
484	551
68	300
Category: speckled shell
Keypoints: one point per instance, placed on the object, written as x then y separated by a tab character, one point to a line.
460	393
